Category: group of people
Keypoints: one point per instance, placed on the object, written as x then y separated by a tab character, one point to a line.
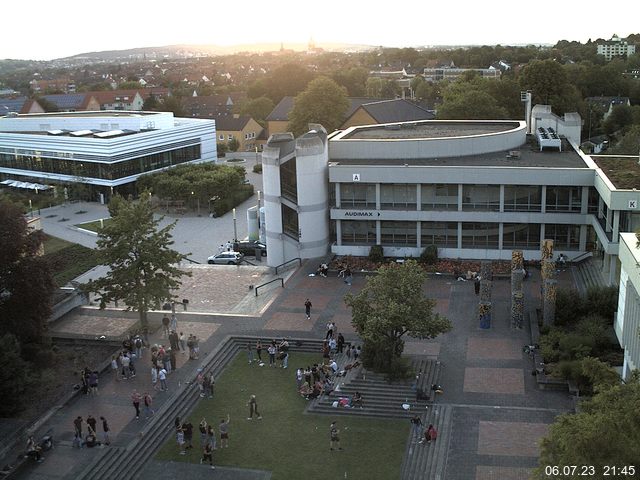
343	272
427	435
278	353
208	440
90	440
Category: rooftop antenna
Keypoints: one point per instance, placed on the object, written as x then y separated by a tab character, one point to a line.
525	97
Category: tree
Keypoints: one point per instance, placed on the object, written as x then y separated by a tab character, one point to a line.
143	269
391	305
601	434
258	109
324	102
15	376
354	80
26	285
629	143
233	145
470	104
150	104
172	104
547	79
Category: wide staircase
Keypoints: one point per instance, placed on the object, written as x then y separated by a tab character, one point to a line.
427	461
126	462
381	398
587	274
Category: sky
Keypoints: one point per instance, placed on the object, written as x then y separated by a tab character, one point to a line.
44	30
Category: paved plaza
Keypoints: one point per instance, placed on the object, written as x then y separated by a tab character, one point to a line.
499	414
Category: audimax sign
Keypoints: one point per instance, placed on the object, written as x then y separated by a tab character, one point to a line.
361	214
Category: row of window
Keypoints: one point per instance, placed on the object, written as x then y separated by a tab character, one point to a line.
517	198
247	136
108	171
445	234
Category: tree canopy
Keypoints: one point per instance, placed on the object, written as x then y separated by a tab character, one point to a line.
143	269
392	304
324	102
603	432
26	285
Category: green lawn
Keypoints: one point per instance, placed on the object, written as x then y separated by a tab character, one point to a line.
93	226
67	260
288	442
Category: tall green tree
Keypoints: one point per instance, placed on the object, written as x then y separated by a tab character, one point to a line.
15	376
603	433
391	305
324	102
26	284
143	269
258	109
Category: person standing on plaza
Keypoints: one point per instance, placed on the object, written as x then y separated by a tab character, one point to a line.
476	285
272	354
105	431
165	325
125	361
253	408
180	440
211	437
135	399
162	376
307	308
114	368
223	428
207	455
334	435
211	382
91	424
188	434
340	343
173	324
183	342
416	424
348	276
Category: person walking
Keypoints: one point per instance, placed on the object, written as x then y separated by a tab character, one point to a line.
211	436
476	285
183	342
114	368
135	399
162	376
173	324
430	434
348	276
211	382
334	436
416	424
249	353
253	408
307	308
223	428
148	401
340	343
105	431
202	427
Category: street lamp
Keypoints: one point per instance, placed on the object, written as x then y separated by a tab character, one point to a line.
198	202
235	229
256	155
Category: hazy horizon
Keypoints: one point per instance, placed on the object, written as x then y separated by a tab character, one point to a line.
58	33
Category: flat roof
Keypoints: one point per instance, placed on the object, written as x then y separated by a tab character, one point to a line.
529	156
91	113
428	129
623	171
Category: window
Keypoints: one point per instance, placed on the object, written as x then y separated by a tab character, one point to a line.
594	200
522	198
481	197
564	199
398	233
565	237
439	197
358	195
290	222
480	235
221	137
521	235
230	137
288	180
441	234
398	196
356	232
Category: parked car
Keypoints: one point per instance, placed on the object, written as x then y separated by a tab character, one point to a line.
225	258
248	247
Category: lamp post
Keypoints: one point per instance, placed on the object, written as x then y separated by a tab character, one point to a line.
198	202
31	209
256	155
235	229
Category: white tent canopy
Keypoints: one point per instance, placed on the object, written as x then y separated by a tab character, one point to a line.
29	185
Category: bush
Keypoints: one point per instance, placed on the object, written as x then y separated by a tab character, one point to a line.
429	255
596	327
570	307
257	168
602	301
376	254
223	205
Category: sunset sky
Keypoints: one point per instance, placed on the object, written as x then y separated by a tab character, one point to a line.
46	30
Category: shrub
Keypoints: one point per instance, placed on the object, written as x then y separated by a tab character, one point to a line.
596	327
223	205
602	301
257	168
429	255
570	307
575	346
376	254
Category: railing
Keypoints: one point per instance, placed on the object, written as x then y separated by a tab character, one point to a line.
289	261
270	281
192	261
581	257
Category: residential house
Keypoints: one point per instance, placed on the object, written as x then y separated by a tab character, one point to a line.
240	127
606	104
129	100
19	105
65	85
387	111
74	102
616	47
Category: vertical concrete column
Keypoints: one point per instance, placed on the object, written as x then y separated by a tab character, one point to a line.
613	270
338	197
517	260
600	206
459	235
418	197
501	199
485	270
378	233
517	310
549	302
616	226
460	196
500	235
339	233
584	204
583	238
517	277
418	234
378	202
543	200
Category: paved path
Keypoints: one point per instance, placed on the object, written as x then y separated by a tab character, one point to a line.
498	414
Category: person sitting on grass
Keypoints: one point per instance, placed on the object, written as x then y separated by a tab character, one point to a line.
305	390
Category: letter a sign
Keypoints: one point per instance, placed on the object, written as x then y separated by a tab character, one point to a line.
356	177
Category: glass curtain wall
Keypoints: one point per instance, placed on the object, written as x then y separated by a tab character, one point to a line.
398	234
398	197
289	180
564	199
565	237
358	195
521	235
481	197
358	232
480	235
439	197
442	234
522	198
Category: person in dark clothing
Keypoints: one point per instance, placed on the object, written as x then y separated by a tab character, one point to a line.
187	427
91	424
476	285
340	343
307	308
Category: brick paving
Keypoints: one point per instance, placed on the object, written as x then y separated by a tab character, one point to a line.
493	348
494	380
510	438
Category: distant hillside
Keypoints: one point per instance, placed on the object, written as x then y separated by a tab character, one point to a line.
173	51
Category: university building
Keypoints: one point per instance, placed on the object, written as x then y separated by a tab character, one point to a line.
104	149
475	189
